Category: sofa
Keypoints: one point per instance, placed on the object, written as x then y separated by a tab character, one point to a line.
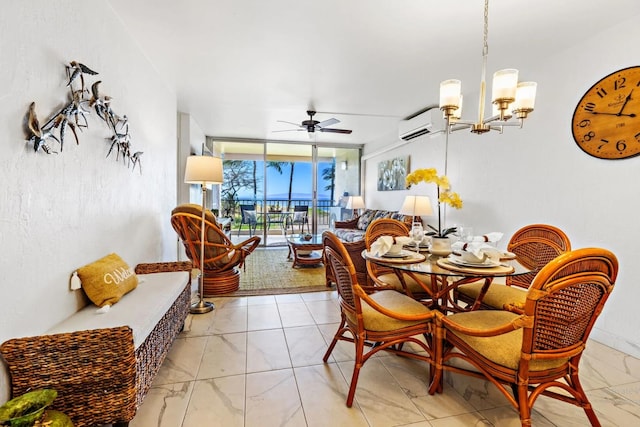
102	365
351	233
354	230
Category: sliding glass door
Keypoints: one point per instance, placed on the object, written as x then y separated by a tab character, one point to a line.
276	189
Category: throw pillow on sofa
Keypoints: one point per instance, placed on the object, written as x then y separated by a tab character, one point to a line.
365	219
107	280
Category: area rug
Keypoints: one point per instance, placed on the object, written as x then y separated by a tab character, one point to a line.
268	272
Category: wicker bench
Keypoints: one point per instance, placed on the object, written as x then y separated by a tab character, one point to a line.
102	374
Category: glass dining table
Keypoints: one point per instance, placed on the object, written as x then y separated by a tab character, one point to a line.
446	273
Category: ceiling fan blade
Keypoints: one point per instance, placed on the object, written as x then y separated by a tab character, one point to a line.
290	130
335	130
328	122
290	123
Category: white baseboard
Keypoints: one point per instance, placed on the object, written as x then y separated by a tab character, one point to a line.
617	342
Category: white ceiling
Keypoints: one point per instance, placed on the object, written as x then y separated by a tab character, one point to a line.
239	66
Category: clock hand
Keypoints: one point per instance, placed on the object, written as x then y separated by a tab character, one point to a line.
613	114
626	100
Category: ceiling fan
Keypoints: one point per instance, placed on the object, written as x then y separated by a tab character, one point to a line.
314	125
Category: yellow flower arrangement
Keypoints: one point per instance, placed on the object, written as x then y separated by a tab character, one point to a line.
445	195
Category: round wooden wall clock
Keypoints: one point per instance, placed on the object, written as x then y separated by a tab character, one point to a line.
606	121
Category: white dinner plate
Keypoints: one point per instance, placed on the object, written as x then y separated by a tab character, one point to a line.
421	246
402	254
455	259
404	257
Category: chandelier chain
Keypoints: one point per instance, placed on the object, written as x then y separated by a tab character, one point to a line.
509	97
485	46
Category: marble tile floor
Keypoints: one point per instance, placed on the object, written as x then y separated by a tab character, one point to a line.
257	361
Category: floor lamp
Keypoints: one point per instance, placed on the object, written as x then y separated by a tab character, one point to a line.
203	170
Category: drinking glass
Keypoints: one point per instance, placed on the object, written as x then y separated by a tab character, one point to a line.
465	233
417	234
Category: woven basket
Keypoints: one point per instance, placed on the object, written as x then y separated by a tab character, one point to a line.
99	376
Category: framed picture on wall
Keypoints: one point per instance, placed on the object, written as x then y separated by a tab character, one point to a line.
392	173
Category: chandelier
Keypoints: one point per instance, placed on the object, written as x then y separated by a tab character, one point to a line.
510	99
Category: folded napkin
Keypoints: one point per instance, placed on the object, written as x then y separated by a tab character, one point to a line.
404	240
489	237
383	243
479	249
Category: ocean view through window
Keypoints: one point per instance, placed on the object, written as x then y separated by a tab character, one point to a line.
275	179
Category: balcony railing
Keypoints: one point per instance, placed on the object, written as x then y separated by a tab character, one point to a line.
322	210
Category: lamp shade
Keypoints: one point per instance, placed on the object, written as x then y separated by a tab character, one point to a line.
355	202
525	95
416	206
203	170
505	83
450	91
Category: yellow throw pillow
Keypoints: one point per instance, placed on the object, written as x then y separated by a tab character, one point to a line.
107	280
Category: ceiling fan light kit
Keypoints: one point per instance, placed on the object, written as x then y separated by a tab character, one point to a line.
508	96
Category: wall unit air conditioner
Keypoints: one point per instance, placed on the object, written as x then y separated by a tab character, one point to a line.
428	122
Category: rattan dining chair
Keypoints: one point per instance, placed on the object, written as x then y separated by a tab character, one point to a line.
221	256
534	246
382	320
527	355
388	277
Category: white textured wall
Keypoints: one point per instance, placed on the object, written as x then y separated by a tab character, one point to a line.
538	174
59	212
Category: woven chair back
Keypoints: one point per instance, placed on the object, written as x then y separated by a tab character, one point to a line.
186	220
536	245
565	299
344	272
384	227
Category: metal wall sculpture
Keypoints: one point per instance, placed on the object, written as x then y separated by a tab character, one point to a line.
73	116
392	173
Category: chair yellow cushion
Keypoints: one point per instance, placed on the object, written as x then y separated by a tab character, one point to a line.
501	349
414	287
107	280
394	301
497	295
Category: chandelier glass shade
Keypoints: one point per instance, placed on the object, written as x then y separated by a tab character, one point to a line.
509	98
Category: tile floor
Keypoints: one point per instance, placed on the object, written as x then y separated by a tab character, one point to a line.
257	361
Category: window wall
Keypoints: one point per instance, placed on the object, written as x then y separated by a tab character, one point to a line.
273	179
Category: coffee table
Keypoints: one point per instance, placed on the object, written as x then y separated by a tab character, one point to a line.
303	250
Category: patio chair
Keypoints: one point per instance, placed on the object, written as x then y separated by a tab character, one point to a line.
300	217
279	218
388	277
221	257
249	217
383	320
527	355
534	245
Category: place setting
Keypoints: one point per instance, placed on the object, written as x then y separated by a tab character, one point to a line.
393	250
478	254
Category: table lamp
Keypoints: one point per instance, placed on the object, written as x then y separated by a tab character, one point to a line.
203	170
355	203
416	206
